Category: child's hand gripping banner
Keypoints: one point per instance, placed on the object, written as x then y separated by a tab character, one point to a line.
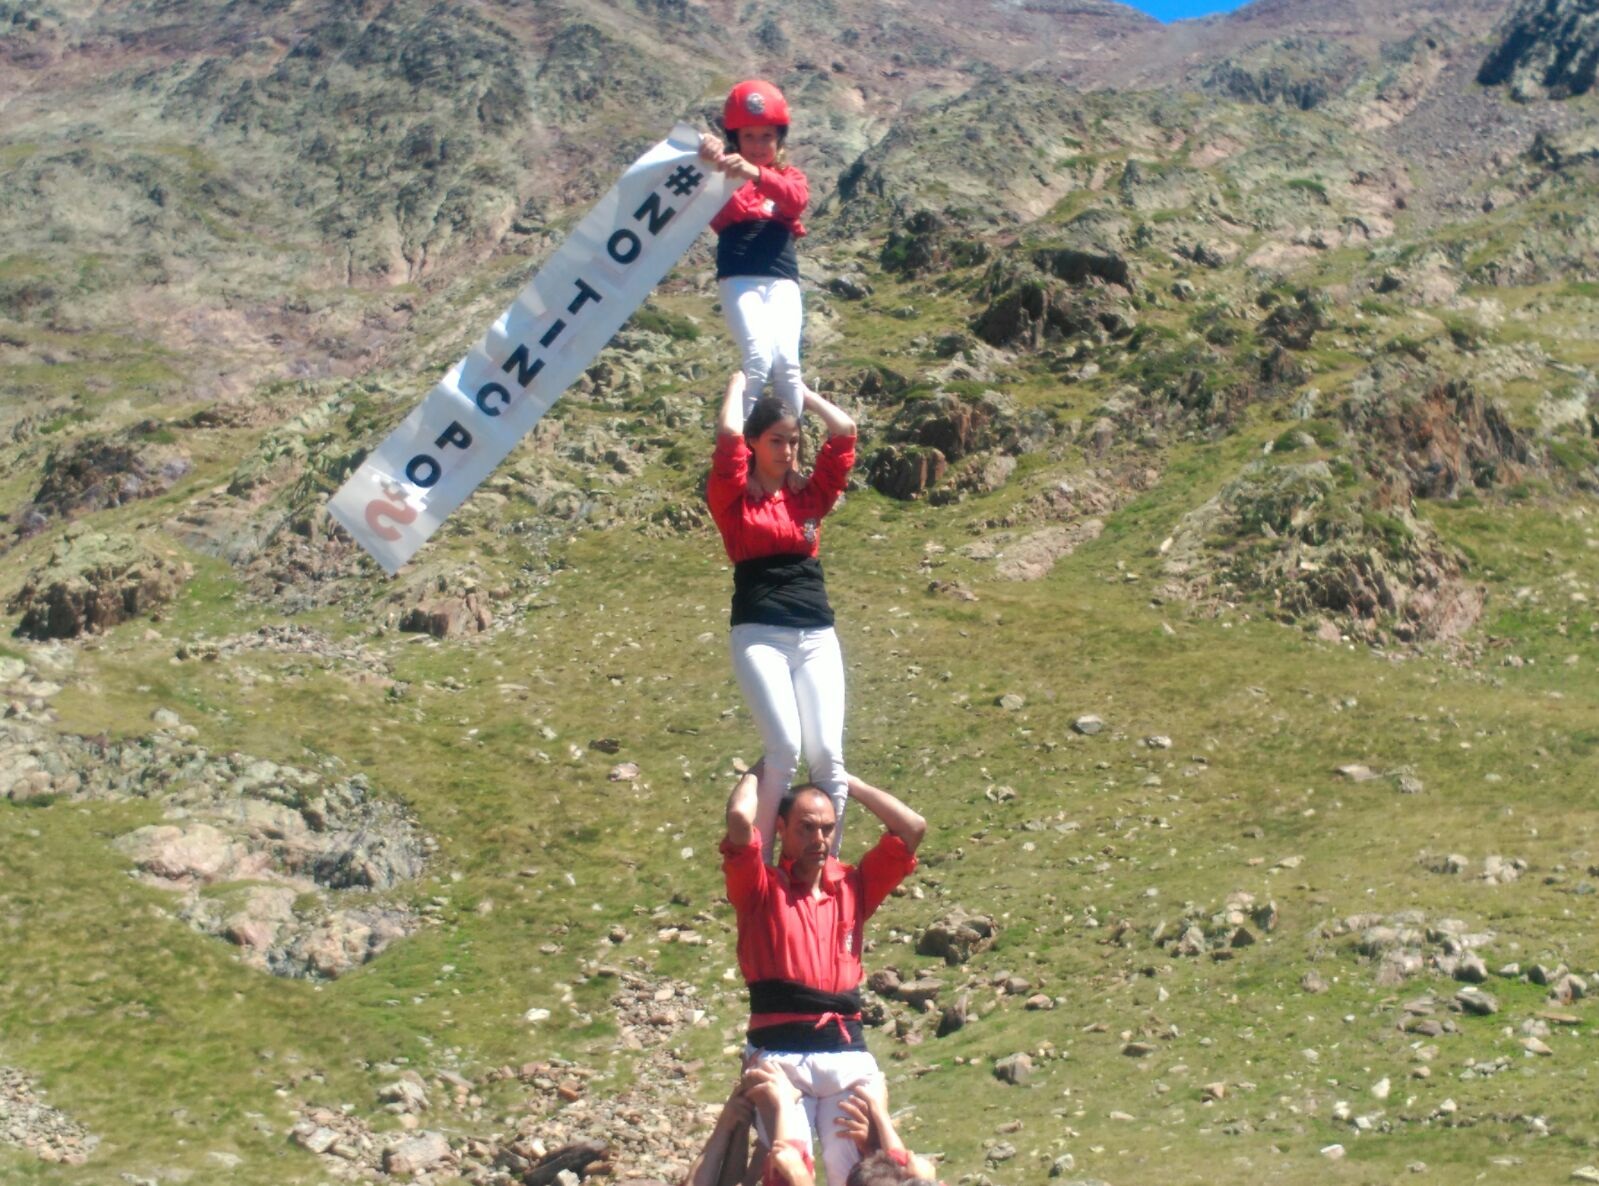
494	396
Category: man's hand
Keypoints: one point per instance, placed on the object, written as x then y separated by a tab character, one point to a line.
855	1123
868	1105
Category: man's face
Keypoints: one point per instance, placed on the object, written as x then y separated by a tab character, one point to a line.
807	832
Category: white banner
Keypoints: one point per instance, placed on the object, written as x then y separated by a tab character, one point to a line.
494	396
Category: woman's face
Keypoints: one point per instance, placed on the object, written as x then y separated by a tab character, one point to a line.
776	448
758	145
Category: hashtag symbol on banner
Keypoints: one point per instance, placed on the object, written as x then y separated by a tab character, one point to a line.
684	180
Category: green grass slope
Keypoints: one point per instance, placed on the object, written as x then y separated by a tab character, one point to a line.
1286	477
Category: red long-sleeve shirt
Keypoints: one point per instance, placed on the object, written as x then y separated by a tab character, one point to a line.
777	194
783	524
788	933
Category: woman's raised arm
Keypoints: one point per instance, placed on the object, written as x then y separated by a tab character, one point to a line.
834	417
731	419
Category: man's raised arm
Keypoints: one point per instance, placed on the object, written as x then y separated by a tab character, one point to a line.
897	818
741	809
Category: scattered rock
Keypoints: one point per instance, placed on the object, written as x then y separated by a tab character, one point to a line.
1062	1165
954	1016
906	472
568	1162
1498	870
957	936
1568	989
1355	772
406	1094
851	287
93	473
197	854
952	589
1191	942
1032	556
315	1138
450	617
29	1124
92	582
1014	1069
274	859
416	1154
920	992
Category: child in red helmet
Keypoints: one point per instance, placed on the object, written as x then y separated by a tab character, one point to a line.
756	269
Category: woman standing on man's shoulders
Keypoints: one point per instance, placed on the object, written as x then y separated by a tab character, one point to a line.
785	652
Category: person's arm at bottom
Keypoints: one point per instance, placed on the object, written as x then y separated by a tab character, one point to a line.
788	1163
727	1149
854	1123
869	1123
872	1092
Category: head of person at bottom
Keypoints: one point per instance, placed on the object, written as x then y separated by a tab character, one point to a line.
883	1169
805	823
773	436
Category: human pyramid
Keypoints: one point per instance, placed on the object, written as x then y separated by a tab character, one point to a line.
801	912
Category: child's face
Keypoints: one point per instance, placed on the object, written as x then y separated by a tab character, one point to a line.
776	448
758	145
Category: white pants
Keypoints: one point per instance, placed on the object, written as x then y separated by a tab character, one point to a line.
823	1081
765	315
793	682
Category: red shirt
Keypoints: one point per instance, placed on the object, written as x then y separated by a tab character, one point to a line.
790	934
782	524
777	194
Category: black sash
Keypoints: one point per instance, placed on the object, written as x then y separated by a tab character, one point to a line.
784	590
838	1015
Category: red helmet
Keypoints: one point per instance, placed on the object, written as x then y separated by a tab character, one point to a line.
752	103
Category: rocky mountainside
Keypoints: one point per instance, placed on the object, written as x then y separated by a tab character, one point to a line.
1218	576
1548	49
